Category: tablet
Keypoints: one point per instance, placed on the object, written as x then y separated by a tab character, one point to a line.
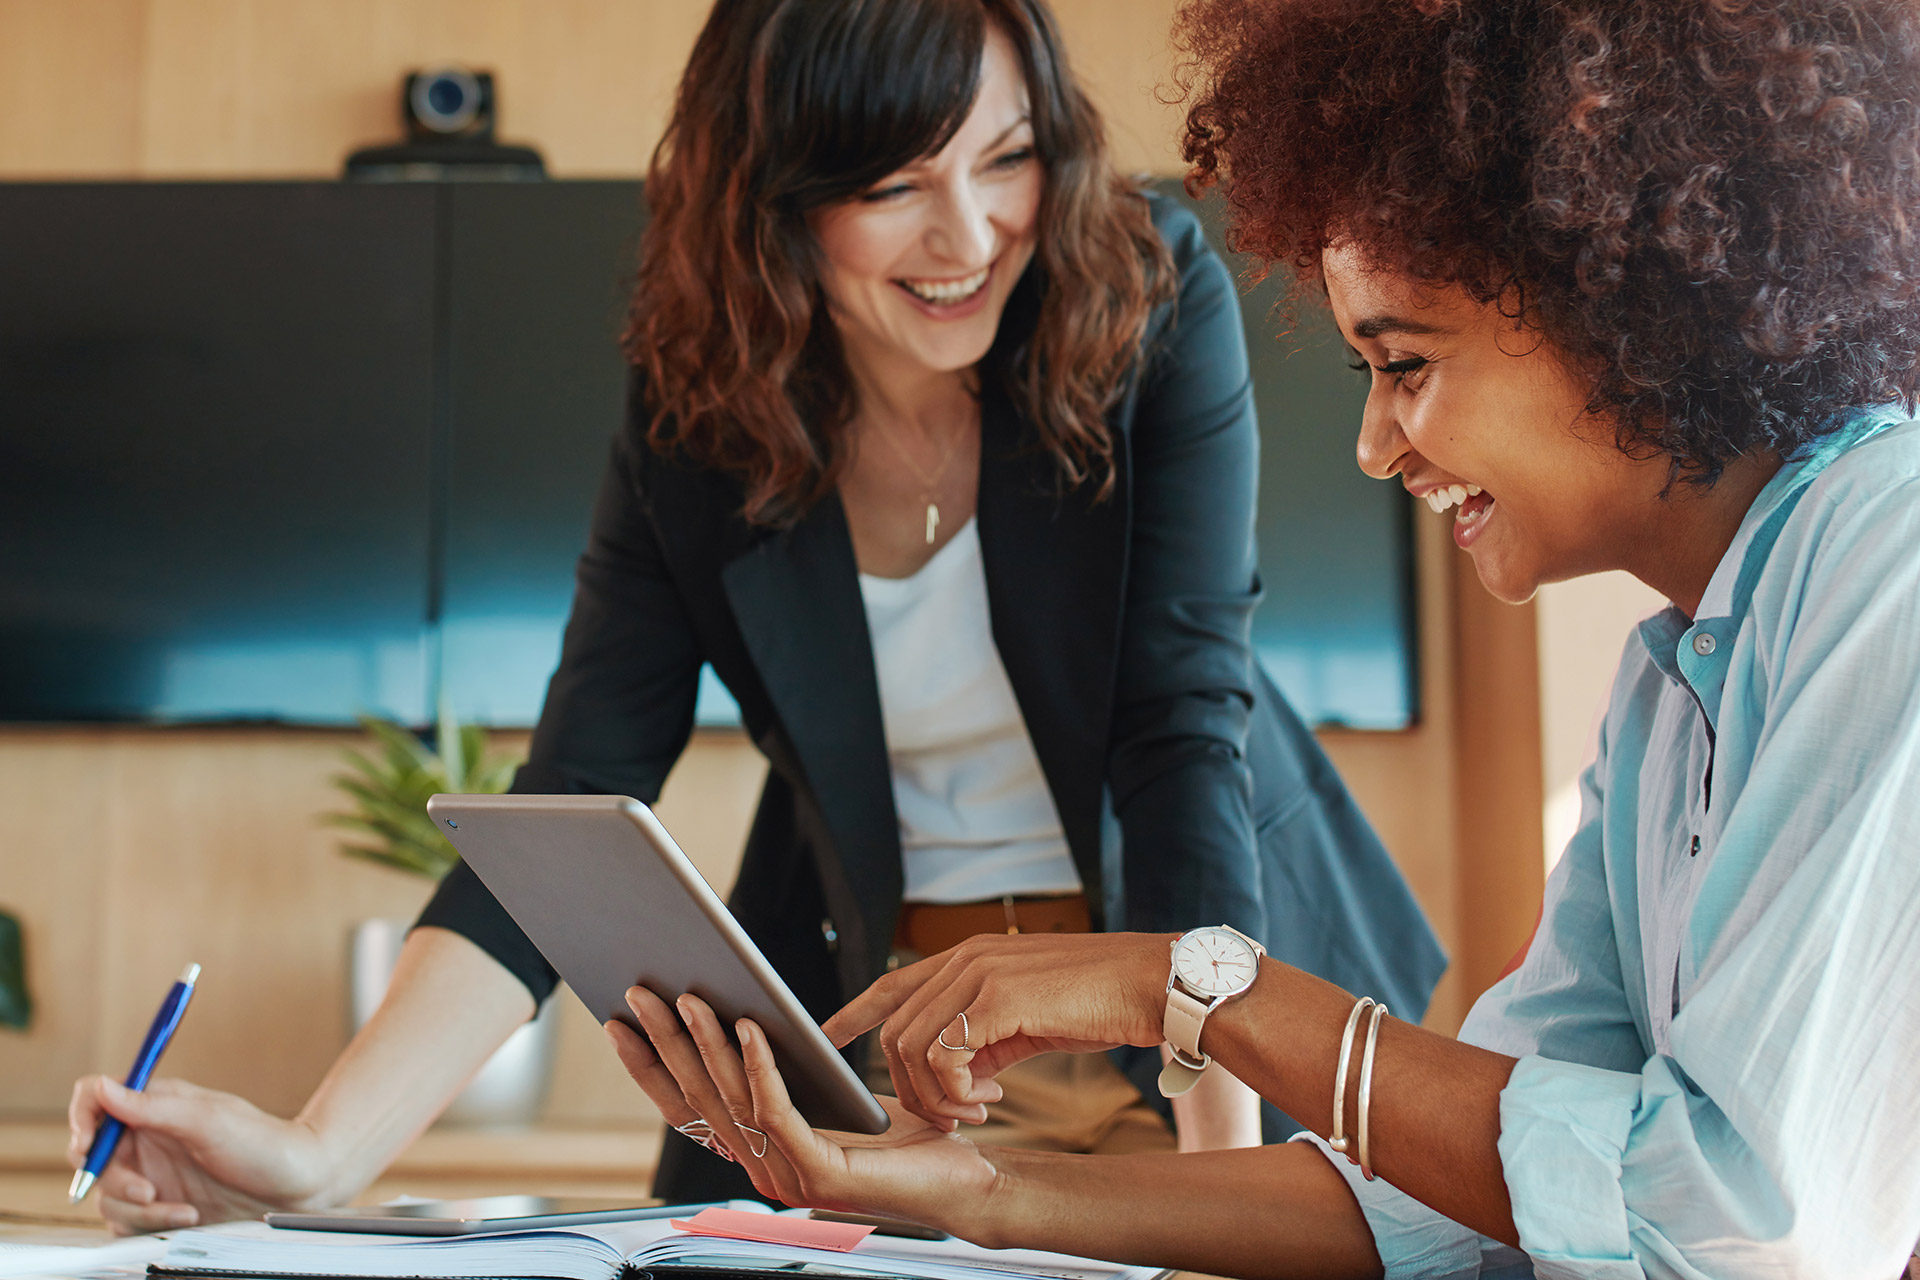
470	1217
600	887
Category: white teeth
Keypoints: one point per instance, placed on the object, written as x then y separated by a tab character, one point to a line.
948	290
1450	495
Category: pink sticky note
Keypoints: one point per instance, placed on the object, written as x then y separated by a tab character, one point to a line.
773	1228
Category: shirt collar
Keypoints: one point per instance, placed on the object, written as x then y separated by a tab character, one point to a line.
1732	579
1694	650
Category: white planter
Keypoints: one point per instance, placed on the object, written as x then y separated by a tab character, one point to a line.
512	1085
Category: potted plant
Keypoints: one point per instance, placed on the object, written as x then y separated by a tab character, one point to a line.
16	1006
390	786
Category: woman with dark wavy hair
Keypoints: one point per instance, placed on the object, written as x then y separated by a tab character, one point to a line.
1636	286
941	453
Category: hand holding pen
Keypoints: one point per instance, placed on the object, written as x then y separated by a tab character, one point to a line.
107	1136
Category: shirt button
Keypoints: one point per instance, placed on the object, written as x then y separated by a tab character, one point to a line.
1694	852
1703	644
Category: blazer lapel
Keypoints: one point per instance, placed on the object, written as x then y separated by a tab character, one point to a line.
1056	570
796	597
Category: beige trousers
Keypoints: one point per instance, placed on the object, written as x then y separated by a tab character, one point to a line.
1075	1102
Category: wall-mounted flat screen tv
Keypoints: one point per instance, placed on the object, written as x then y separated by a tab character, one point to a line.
290	452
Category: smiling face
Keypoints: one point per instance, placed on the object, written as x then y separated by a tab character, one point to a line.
1477	415
918	268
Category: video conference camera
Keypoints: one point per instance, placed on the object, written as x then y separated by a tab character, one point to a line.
449	115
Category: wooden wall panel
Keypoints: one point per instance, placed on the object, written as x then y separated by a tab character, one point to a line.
1584	626
198	102
1406	782
1498	792
54	844
129	852
286	88
1122	57
70	75
196	845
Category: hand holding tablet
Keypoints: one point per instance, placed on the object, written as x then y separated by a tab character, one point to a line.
601	889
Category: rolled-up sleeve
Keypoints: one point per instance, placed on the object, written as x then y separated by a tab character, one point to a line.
1564	1130
1418	1243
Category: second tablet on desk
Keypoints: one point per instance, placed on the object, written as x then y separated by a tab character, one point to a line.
485	1215
600	887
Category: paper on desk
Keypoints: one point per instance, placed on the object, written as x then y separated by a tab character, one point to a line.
79	1260
729	1224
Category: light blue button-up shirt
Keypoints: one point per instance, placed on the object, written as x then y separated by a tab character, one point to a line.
1718	1022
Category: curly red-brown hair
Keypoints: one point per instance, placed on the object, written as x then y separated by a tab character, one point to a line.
787	106
1707	205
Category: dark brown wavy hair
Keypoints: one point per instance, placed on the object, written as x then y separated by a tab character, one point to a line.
787	106
1708	205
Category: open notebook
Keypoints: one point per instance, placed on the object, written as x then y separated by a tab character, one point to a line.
98	1258
600	1252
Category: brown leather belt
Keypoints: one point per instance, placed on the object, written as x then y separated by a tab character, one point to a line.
931	927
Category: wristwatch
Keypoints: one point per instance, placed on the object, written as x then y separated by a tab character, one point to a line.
1211	966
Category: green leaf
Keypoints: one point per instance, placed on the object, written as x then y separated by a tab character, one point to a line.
473	756
16	1006
391	786
405	752
496	777
453	760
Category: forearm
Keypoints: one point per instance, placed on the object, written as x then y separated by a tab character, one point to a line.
1434	1122
448	1007
1269	1211
1217	1113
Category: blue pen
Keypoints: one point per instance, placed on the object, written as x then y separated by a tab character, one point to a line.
107	1136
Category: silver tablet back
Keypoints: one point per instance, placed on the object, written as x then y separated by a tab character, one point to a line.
600	887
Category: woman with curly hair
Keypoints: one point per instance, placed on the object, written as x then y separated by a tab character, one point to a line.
1636	284
941	454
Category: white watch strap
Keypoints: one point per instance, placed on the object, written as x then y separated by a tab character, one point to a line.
1185	1017
1177	1077
1181	1026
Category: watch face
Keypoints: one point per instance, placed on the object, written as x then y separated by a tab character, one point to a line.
1213	962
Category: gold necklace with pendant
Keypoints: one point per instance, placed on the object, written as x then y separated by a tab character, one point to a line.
929	483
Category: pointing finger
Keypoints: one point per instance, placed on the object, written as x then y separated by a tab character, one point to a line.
879	1002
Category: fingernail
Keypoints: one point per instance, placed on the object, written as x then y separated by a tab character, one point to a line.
744	1030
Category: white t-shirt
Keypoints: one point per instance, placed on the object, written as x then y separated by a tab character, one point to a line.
976	818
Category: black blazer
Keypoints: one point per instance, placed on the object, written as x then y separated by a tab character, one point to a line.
1189	792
